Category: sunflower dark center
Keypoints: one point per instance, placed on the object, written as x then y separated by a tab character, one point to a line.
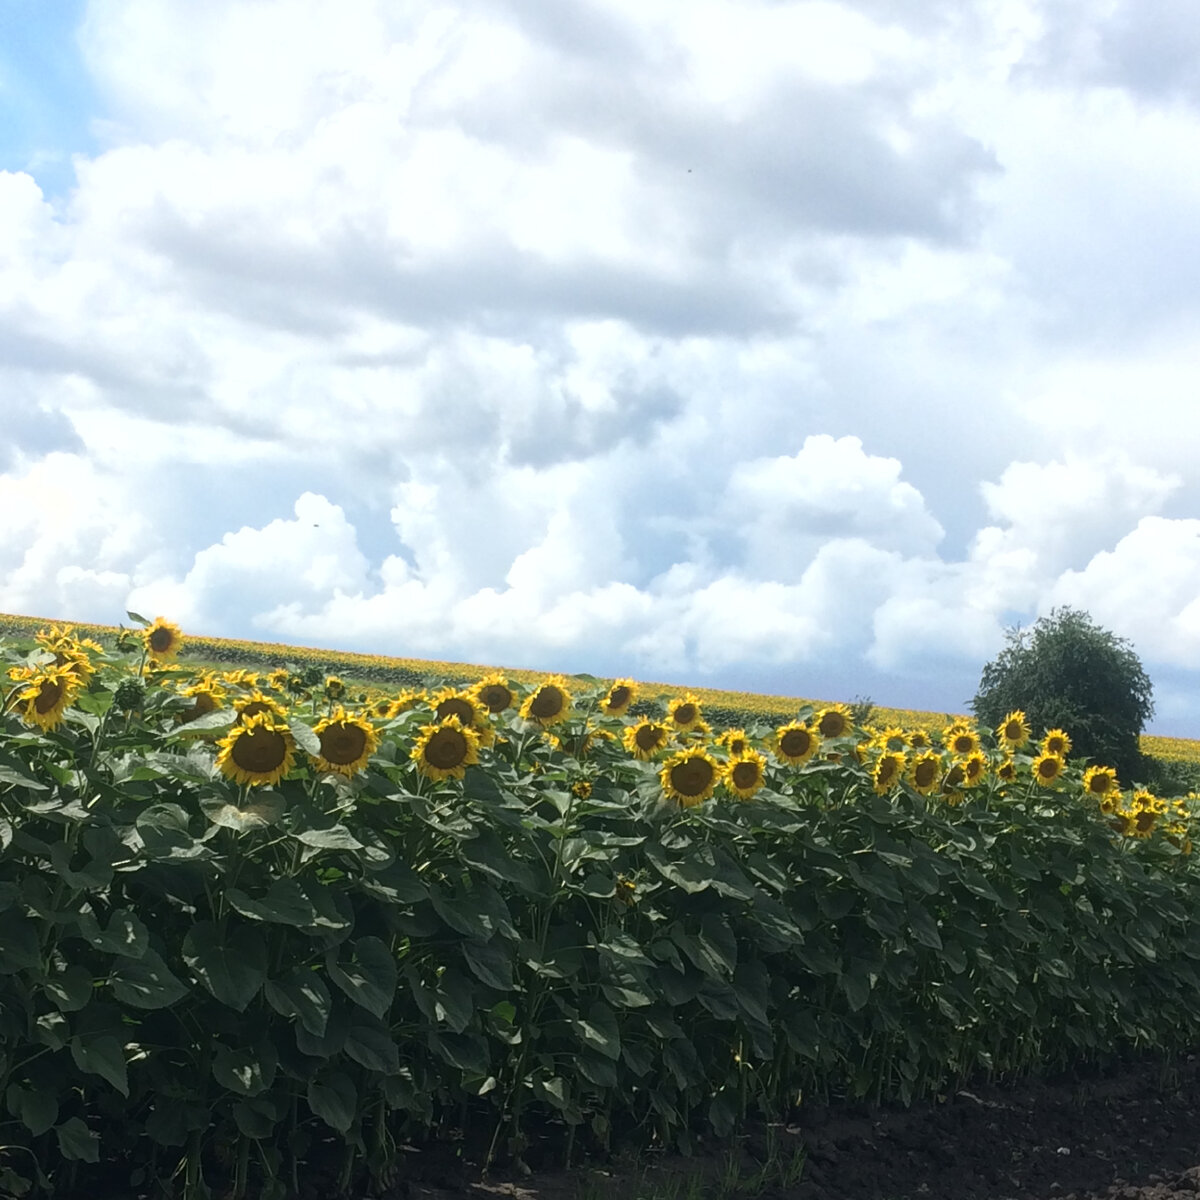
446	749
619	697
692	777
832	724
1048	768
496	697
1145	821
1099	784
202	703
547	702
648	736
964	744
161	640
737	746
887	769
685	714
1056	746
259	751
456	706
744	774
342	743
1012	731
796	742
956	776
253	709
49	694
924	773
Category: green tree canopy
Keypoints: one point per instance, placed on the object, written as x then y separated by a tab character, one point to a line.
1066	672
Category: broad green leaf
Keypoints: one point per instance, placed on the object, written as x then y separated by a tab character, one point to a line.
170	1120
371	1044
35	1108
454	1000
70	990
231	966
90	876
244	1070
261	809
367	974
467	1052
283	904
77	1142
218	721
20	948
137	618
487	853
302	995
125	934
103	1055
146	982
598	1029
334	1099
336	837
305	738
924	927
491	962
17	778
255	1119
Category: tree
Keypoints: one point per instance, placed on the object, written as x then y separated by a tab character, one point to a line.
1066	672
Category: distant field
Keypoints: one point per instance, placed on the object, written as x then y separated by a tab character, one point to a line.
381	672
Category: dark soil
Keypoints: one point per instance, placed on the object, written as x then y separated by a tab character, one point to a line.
1128	1134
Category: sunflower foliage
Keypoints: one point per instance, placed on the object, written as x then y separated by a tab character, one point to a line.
248	933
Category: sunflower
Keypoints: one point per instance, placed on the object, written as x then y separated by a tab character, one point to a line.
255	703
347	742
406	702
463	705
259	750
162	639
46	696
494	693
446	750
645	739
744	774
918	739
1143	823
961	740
795	743
1056	742
1122	822
684	712
888	770
1014	730
582	788
891	739
834	721
619	697
954	779
335	688
206	697
279	678
1047	768
734	741
974	768
1099	781
690	777
548	703
924	770
381	707
1007	771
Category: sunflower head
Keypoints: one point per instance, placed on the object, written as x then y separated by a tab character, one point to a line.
206	697
1014	730
446	750
919	740
795	743
1047	768
582	788
735	742
347	742
406	702
278	679
1006	772
892	740
684	712
335	688
464	705
619	697
494	693
162	639
1099	781
961	740
745	774
974	768
645	739
254	703
834	721
259	750
690	777
887	772
548	703
47	694
1057	742
924	771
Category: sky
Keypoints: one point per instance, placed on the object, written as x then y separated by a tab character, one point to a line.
796	347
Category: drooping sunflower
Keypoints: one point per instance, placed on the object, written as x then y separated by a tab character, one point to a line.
924	771
162	639
961	740
745	774
240	677
619	697
278	679
254	703
1047	768
1144	820
974	769
1007	771
1014	731
645	739
549	703
446	750
795	743
406	702
335	688
206	697
494	693
684	712
887	772
347	742
1122	822
46	696
380	707
1057	742
834	721
690	777
259	750
735	742
1099	781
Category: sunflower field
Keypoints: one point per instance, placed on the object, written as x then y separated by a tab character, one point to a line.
249	923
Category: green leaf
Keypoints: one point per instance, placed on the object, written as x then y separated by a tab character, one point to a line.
454	1000
487	853
368	977
254	1120
283	904
261	810
245	1071
466	1052
305	738
924	927
20	948
103	1055
146	982
491	963
302	995
18	778
170	1121
76	1141
125	935
232	967
690	875
70	990
334	1099
599	1031
91	876
336	837
35	1108
137	618
217	721
372	1045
